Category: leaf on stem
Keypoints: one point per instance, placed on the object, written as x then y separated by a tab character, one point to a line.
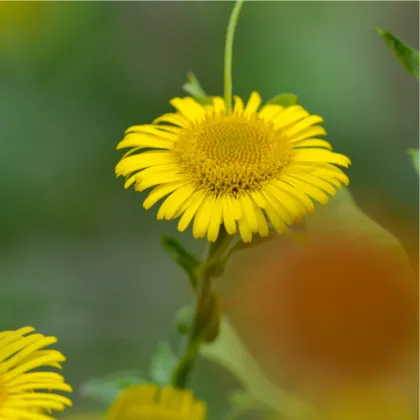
163	364
343	217
185	259
184	319
407	55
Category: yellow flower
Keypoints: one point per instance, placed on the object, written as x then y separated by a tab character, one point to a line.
26	395
241	168
148	402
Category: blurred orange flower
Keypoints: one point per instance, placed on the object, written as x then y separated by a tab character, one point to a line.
342	306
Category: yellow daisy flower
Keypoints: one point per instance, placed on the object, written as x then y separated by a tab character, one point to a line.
26	395
148	402
241	168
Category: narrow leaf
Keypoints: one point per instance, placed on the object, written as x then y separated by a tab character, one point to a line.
185	259
162	364
407	55
193	87
284	99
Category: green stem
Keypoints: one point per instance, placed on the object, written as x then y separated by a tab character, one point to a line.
228	53
203	306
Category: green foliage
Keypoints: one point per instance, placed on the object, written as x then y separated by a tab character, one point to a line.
414	153
284	99
163	364
193	87
184	319
242	403
342	216
104	390
229	351
185	259
407	55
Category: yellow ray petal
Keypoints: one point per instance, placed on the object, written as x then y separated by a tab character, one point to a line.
228	215
190	212
215	221
253	104
304	124
245	230
309	189
238	105
313	143
144	160
270	111
170	206
320	155
158	131
191	109
218	104
202	217
161	191
317	130
249	212
172	118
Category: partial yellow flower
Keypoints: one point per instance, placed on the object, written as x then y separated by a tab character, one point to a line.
24	394
148	402
243	168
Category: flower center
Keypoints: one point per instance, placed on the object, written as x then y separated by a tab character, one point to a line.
233	154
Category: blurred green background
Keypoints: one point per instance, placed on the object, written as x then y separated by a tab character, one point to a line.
79	257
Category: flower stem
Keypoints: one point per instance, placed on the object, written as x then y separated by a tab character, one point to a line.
204	319
228	53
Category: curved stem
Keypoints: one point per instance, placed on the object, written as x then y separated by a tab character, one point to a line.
228	53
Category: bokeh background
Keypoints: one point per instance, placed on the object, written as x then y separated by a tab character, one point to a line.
79	257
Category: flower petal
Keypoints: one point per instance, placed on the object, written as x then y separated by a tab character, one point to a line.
253	104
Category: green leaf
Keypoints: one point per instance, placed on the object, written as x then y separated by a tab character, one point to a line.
184	319
407	55
414	153
242	403
185	259
285	99
163	364
229	351
193	87
104	390
342	216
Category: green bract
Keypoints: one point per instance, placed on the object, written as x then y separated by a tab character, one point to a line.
284	99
